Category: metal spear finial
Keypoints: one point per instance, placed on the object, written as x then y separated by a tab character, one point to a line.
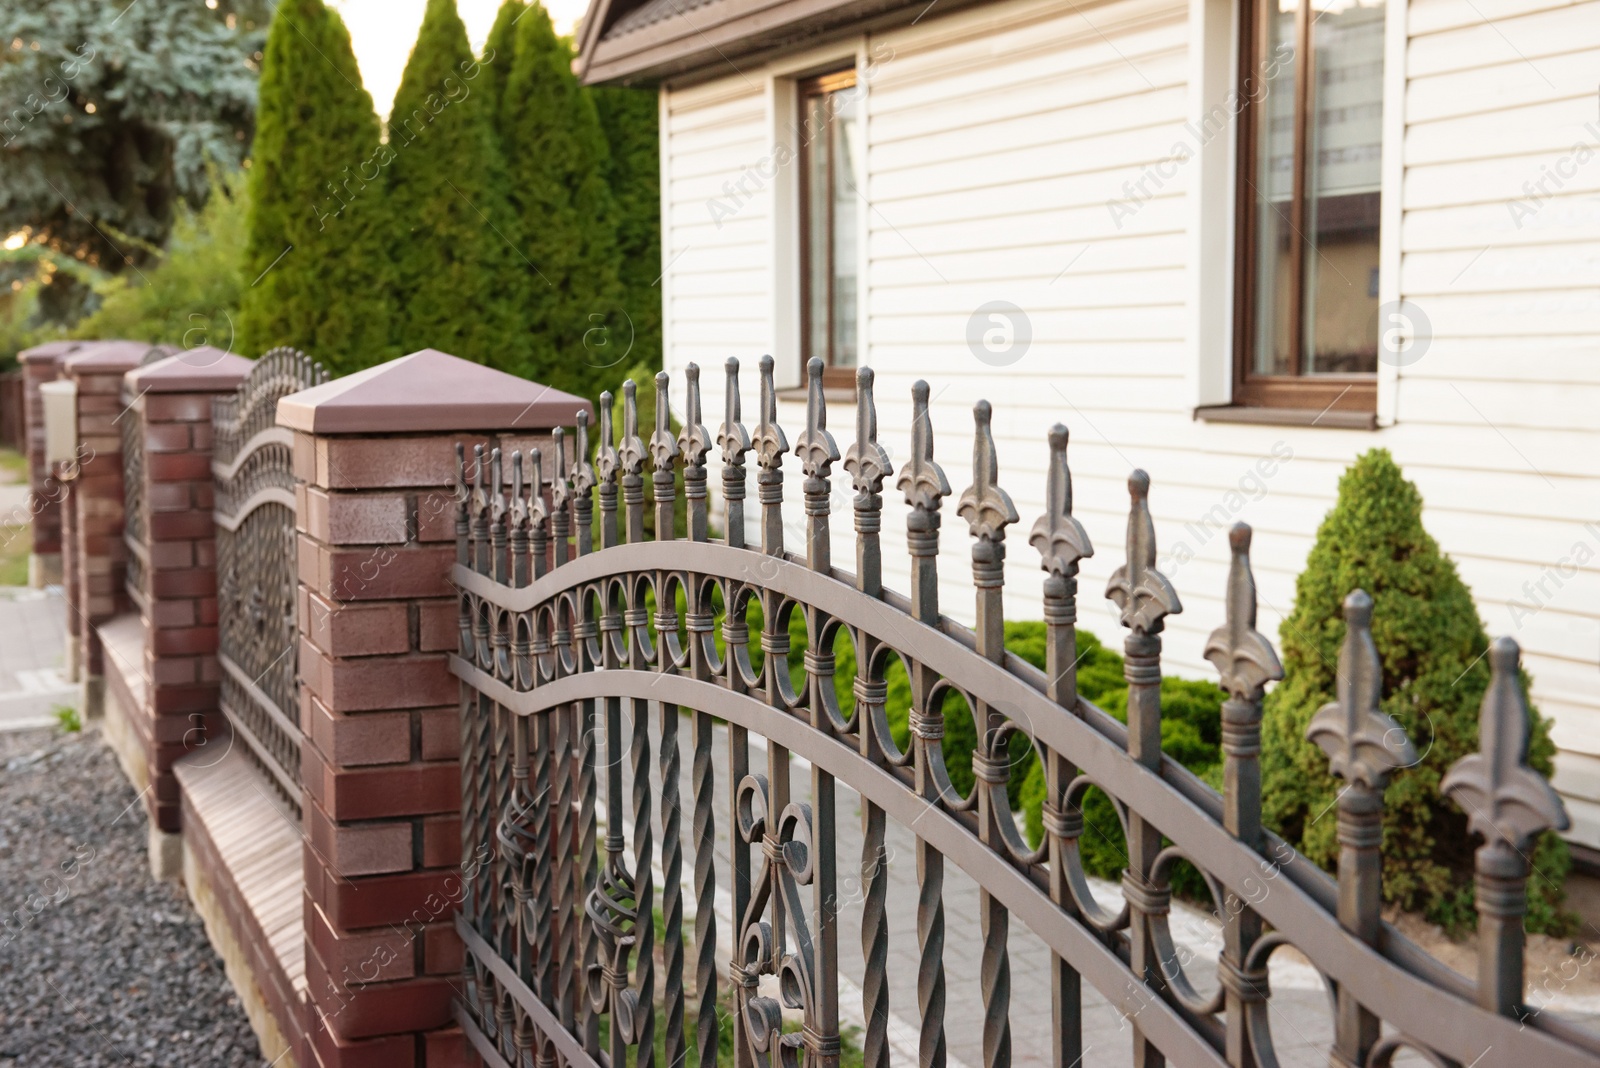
1364	745
867	461
1243	657
1143	594
1060	539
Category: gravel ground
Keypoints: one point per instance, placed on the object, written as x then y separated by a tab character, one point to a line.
99	964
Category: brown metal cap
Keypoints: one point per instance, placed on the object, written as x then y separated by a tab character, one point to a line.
428	391
50	351
103	357
201	370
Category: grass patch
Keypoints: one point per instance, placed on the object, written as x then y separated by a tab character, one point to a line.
68	718
14	464
15	543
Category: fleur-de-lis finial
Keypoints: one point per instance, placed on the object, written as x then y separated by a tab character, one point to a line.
922	480
769	442
663	444
1143	593
538	508
631	454
519	504
497	490
985	506
480	494
1245	660
560	488
605	458
1363	744
693	441
733	438
867	461
582	471
1505	800
815	447
1060	539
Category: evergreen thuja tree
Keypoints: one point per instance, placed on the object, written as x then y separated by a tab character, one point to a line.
1431	644
499	52
557	159
317	252
458	284
629	118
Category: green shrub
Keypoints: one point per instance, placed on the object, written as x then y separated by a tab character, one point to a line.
317	255
629	119
459	284
191	296
1431	644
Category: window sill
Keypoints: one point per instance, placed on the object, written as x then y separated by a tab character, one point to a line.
1330	420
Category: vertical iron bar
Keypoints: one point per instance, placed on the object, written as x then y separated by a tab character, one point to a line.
988	511
1062	543
924	485
1146	598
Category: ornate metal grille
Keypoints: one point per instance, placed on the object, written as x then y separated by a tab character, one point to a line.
557	642
256	566
136	525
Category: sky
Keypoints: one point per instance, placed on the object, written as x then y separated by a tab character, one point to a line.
383	31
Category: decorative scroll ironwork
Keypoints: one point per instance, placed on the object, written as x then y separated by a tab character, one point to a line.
552	657
252	467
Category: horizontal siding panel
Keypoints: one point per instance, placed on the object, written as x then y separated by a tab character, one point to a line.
1549	129
1120	290
1526	406
1512	37
1524	178
1045	259
1498	270
1435	16
1557	220
1054	229
1087	189
1573	359
1494	84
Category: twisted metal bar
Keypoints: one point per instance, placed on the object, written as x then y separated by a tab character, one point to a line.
924	485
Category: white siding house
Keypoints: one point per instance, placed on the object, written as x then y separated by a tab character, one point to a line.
1077	159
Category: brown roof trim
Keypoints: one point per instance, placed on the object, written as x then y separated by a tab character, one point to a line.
721	32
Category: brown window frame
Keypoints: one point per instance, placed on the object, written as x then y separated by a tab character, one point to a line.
1352	392
807	89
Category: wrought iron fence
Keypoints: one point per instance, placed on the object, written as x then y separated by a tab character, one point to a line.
252	464
560	898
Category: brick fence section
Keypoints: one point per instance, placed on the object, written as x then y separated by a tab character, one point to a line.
171	401
375	460
42	364
96	558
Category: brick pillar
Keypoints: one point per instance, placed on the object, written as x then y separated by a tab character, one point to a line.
170	400
375	459
94	507
40	365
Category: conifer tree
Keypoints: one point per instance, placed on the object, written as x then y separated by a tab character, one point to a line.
459	285
317	256
1431	643
557	159
629	118
499	52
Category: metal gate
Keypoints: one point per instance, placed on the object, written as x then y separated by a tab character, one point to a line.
256	567
560	903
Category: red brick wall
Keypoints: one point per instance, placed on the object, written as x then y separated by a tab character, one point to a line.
183	679
99	555
379	761
47	492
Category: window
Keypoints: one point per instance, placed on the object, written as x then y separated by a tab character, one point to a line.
1310	167
829	206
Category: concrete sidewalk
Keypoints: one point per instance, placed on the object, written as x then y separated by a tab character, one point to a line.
33	631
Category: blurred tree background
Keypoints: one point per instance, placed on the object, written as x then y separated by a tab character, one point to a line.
112	121
504	212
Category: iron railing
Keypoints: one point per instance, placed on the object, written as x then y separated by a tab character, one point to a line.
560	897
252	464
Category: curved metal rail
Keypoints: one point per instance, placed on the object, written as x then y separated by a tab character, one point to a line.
556	640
